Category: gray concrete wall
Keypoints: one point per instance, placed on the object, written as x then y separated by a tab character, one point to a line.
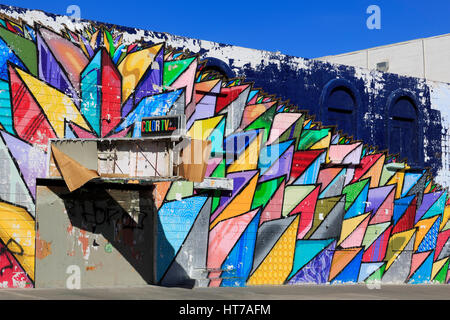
94	236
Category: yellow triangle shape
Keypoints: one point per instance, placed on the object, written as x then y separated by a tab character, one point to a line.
397	179
397	242
445	217
134	66
423	226
277	265
437	267
201	129
248	160
56	105
323	143
349	225
17	224
240	204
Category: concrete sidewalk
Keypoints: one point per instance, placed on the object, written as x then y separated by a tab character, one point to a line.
300	292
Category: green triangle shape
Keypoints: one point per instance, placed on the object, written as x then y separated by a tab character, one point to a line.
24	49
352	191
310	137
377	275
373	232
112	48
215	200
442	274
264	121
264	191
181	189
173	69
219	171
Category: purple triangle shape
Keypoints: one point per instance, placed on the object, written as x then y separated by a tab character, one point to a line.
317	270
428	200
52	73
376	197
31	160
280	167
205	108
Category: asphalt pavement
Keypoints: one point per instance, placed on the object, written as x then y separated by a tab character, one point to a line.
297	292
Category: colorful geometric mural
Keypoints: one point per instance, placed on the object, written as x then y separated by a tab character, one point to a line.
309	204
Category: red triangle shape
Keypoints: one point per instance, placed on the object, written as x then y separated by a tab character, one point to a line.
111	95
228	95
80	132
302	160
440	243
307	208
29	120
406	222
366	163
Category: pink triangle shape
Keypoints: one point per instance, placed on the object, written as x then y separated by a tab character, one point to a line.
417	260
224	236
356	237
386	210
281	123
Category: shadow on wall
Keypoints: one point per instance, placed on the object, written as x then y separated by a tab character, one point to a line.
179	276
131	232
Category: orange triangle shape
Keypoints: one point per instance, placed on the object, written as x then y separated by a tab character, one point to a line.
374	173
341	259
202	88
240	204
160	191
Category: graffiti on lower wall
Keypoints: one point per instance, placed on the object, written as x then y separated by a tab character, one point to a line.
309	204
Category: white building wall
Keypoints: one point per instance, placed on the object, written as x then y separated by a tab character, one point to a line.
427	58
440	100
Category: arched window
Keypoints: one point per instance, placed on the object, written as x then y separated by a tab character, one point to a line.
403	133
219	66
339	106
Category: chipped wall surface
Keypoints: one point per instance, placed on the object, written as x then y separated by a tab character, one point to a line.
311	203
105	234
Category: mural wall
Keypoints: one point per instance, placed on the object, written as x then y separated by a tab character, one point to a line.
310	204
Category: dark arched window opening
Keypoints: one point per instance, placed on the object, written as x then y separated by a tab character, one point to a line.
339	106
217	65
403	129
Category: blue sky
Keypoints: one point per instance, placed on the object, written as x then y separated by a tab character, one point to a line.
300	28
